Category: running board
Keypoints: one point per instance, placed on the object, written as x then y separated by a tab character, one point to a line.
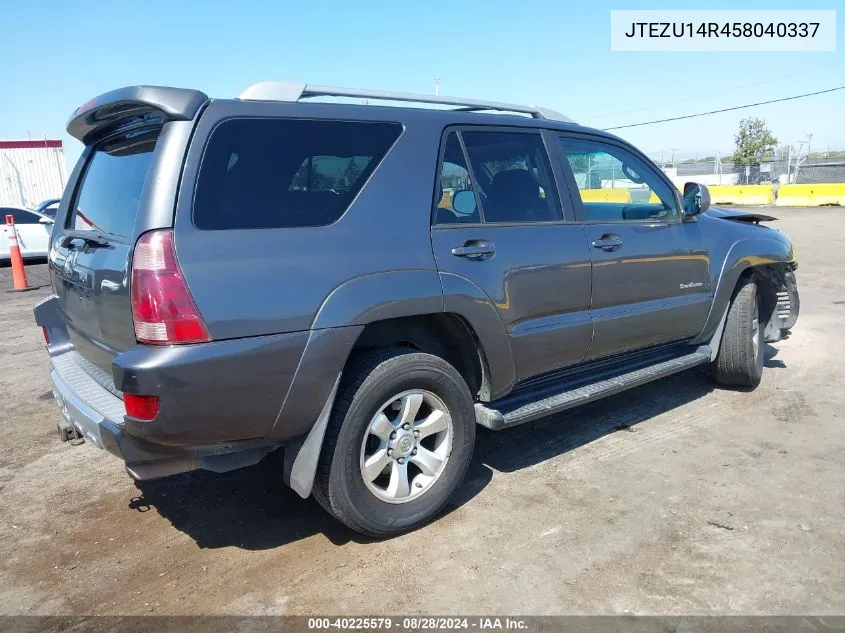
514	410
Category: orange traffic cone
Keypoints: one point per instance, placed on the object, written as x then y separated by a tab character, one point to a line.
18	272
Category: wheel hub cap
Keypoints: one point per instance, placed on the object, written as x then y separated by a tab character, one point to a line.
406	446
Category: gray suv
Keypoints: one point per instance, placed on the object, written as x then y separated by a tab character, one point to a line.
360	285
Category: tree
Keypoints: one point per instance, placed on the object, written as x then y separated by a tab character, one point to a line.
754	142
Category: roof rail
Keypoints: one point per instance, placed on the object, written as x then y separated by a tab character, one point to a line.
295	91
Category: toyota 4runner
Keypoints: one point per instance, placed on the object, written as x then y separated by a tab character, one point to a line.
362	284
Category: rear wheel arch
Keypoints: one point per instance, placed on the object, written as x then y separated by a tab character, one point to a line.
446	335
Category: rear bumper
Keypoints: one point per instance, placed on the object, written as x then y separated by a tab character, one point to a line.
223	404
98	416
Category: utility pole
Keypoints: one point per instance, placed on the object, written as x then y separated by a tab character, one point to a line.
717	166
788	164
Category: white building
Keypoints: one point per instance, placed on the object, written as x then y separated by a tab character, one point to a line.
31	171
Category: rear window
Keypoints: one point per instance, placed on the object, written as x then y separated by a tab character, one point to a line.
110	191
278	173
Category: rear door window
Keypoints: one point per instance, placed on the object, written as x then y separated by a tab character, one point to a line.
513	175
277	173
110	191
455	182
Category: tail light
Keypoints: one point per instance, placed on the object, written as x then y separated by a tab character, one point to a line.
162	308
46	334
140	407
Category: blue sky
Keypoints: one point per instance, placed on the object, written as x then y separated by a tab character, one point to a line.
58	54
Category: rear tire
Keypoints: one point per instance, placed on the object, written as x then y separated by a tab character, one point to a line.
739	362
381	392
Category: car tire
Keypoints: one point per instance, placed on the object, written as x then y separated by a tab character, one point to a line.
379	384
739	362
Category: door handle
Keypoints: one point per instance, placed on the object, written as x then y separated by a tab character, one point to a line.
475	249
608	242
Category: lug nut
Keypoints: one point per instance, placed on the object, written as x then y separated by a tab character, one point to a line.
414	452
393	435
390	452
416	433
401	460
406	426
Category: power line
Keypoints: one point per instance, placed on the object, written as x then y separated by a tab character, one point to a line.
712	93
750	105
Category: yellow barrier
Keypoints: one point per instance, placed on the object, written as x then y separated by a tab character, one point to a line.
741	194
605	195
445	200
811	195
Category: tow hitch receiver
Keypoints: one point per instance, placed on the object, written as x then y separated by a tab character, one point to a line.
67	432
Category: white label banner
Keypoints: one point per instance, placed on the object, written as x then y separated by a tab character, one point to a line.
702	31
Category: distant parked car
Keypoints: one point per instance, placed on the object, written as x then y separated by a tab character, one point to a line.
49	207
33	230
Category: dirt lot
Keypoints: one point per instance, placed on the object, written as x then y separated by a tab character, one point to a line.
675	498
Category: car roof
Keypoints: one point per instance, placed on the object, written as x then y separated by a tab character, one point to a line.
446	117
170	103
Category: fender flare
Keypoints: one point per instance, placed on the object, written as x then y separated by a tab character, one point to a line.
742	255
377	297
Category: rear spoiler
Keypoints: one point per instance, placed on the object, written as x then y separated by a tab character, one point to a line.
172	104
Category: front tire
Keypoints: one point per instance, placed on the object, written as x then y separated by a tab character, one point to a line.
398	444
739	362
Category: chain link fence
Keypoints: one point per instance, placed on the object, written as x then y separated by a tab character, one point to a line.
800	170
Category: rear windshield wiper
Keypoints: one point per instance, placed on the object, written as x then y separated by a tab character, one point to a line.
92	239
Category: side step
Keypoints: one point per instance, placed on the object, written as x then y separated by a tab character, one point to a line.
519	408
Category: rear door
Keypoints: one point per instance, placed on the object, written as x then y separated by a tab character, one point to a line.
498	223
651	281
89	262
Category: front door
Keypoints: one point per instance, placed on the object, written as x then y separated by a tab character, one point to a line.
651	269
498	223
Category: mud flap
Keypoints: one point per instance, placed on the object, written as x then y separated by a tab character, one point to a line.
301	459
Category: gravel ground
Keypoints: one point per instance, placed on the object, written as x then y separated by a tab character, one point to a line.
675	498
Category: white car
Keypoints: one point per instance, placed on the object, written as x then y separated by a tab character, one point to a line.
33	231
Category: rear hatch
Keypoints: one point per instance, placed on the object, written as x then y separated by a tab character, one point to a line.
89	262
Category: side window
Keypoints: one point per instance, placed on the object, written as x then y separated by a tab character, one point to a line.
277	173
616	186
514	177
457	202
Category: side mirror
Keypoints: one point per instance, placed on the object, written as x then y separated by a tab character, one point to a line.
463	202
46	221
696	198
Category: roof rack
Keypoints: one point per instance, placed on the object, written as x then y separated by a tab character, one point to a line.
295	91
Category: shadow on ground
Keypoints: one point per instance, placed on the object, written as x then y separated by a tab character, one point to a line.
252	508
